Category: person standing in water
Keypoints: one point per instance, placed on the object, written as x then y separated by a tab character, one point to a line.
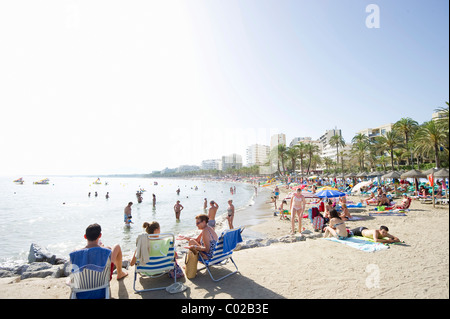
212	214
178	208
230	212
154	200
127	214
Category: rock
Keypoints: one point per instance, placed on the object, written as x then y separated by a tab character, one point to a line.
39	254
42	270
6	273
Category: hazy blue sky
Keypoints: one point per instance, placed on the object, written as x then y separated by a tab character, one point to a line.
92	87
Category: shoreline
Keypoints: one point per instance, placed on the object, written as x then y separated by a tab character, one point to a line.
417	269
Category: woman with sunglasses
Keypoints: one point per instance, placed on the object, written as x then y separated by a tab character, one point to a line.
206	241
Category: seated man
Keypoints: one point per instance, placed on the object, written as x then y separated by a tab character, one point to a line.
93	234
383	201
376	234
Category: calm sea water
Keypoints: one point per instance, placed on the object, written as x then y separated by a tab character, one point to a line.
56	215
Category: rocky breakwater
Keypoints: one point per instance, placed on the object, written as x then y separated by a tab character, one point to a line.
41	263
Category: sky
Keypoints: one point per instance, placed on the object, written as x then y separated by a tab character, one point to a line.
115	87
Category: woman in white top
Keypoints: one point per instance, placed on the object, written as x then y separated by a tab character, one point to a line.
298	204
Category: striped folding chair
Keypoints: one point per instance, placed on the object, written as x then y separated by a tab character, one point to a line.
223	252
161	259
90	273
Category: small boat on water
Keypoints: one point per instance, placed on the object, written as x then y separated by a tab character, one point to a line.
44	181
19	181
97	182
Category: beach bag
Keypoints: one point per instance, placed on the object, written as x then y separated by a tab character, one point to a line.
318	223
381	208
178	272
191	262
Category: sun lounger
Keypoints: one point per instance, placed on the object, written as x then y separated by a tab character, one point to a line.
223	252
155	256
90	273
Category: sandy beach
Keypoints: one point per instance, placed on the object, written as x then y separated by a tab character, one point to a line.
313	268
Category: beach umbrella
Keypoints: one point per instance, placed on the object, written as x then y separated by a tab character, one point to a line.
442	173
413	174
298	186
392	174
358	186
362	174
327	188
329	194
430	171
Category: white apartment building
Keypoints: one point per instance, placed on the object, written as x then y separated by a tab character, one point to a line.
297	140
231	161
378	131
277	139
257	154
212	164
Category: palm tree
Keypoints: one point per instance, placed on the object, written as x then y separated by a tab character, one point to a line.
328	162
311	150
292	154
336	141
360	145
301	154
406	126
281	148
389	142
431	136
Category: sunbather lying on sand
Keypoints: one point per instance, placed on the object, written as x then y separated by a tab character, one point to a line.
375	234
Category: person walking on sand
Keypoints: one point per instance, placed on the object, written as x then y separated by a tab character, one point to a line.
212	214
298	204
127	214
178	208
230	212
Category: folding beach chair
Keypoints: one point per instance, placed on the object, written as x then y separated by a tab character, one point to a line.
90	273
223	251
160	261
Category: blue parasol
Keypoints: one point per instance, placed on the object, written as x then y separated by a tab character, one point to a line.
329	194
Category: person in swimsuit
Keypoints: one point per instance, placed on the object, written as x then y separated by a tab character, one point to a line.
178	208
337	227
127	214
298	204
376	234
230	211
212	213
206	241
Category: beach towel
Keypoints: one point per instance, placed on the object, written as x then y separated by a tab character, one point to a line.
90	258
360	244
230	240
159	247
142	247
396	212
353	218
371	240
354	206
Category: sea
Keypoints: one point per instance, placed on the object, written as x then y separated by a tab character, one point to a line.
56	215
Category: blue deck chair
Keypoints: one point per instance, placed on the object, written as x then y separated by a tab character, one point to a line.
223	251
90	273
161	259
